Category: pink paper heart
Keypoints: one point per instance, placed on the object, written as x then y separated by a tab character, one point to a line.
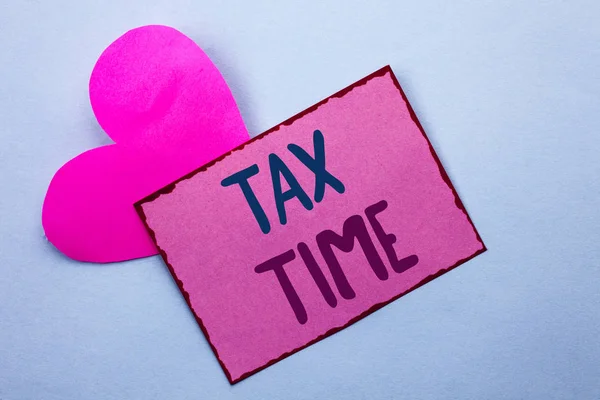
163	101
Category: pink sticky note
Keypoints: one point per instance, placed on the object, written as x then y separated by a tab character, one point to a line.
310	226
167	107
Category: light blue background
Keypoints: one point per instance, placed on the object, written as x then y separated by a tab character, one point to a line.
509	93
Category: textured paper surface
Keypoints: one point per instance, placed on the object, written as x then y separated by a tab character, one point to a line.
157	95
212	242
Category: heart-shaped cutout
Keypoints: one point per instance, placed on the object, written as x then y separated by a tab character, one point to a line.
169	110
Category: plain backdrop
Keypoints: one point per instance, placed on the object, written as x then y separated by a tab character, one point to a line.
509	93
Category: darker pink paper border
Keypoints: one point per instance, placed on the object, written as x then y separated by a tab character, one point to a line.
169	188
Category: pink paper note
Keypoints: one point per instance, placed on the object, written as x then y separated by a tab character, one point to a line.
163	101
310	226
